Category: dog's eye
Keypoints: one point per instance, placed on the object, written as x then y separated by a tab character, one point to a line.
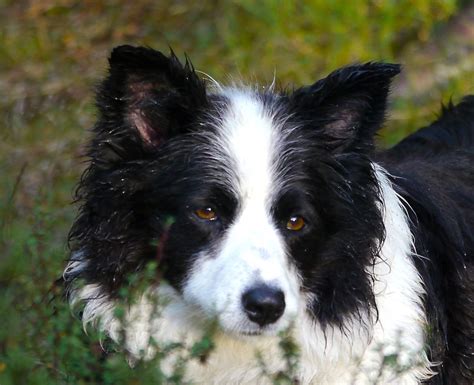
206	213
295	223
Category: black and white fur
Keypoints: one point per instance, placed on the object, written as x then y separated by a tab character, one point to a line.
383	264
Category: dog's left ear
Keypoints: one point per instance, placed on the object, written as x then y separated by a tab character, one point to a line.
348	106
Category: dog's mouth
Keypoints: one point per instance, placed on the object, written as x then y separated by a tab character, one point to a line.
252	333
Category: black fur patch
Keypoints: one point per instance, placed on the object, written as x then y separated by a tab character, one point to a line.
434	173
143	178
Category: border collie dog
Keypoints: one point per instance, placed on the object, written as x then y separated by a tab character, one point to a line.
270	211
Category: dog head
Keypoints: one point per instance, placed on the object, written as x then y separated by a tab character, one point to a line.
256	203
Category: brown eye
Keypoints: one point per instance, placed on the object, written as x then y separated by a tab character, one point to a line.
207	214
295	223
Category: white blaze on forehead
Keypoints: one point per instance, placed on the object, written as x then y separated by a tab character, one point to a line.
249	136
252	250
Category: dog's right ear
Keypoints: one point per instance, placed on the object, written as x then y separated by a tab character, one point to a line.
146	99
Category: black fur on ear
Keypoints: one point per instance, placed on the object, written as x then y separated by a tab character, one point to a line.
348	106
146	99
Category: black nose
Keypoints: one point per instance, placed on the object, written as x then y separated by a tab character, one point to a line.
263	304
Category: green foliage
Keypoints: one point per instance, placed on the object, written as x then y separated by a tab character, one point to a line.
52	52
290	353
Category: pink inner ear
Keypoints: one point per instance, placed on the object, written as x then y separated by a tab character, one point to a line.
147	133
139	91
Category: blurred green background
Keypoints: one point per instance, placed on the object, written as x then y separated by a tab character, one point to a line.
53	52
